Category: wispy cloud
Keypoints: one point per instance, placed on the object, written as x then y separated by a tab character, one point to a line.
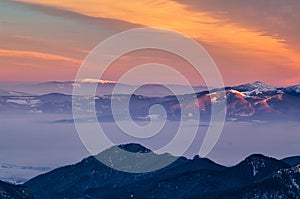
37	55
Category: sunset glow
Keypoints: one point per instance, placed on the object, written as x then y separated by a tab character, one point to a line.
237	47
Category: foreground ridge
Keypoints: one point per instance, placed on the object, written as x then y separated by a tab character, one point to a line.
257	176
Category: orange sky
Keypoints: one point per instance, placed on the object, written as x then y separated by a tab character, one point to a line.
55	37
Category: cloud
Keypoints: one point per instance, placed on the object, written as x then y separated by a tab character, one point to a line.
41	42
275	18
243	36
188	17
38	55
59	11
27	26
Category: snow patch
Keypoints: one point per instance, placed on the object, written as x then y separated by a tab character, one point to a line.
24	101
255	171
100	81
13	93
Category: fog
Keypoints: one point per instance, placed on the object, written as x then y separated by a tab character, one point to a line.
34	140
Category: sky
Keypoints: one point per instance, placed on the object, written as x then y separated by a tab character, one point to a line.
47	40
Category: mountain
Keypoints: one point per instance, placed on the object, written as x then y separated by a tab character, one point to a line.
254	88
10	191
249	102
104	87
253	101
255	177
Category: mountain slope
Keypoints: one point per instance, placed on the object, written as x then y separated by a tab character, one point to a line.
10	191
283	184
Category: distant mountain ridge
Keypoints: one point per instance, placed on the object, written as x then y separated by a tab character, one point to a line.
104	87
249	102
19	174
7	93
255	177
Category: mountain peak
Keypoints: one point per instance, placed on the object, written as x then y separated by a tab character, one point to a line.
254	88
261	159
259	83
258	164
256	158
134	148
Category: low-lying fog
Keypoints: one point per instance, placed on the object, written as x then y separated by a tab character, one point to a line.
34	140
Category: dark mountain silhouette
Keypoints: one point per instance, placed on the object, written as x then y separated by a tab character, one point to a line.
255	177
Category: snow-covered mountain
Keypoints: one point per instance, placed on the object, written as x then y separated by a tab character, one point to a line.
255	88
255	101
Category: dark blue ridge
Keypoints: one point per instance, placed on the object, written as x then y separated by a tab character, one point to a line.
257	176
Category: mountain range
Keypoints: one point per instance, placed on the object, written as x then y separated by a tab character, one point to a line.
104	87
251	102
256	177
